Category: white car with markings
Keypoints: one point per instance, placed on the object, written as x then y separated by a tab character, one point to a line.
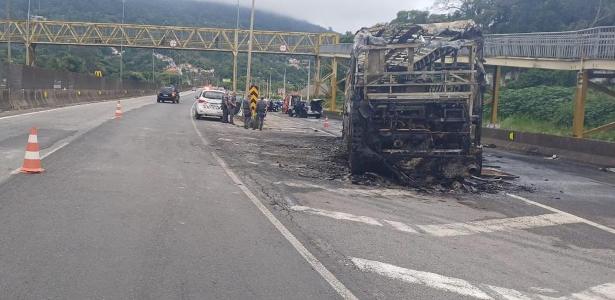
209	104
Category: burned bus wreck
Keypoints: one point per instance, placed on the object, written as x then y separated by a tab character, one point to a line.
414	100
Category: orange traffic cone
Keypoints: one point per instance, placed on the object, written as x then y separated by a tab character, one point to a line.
32	159
118	110
326	125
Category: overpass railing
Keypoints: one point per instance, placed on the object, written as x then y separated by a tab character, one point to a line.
595	43
163	37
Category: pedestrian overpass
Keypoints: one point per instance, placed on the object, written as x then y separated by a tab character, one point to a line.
590	52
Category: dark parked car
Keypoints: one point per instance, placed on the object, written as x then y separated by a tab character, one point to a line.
168	94
274	105
303	109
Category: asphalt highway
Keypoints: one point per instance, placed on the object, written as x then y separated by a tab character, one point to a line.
158	205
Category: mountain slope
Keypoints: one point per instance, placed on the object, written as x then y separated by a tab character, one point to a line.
160	12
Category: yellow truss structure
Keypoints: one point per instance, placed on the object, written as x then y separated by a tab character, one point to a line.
162	37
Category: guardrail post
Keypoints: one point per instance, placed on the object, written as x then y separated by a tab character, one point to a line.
495	95
317	77
578	121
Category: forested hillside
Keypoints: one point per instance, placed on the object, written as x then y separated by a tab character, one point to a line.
162	12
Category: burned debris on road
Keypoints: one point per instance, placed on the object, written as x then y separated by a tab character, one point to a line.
300	152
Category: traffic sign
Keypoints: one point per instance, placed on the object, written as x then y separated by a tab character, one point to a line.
253	99
283	48
173	43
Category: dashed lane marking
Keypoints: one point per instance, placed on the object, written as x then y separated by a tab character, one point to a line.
569	215
465	288
322	130
337	285
432	280
494	225
71	107
401	226
337	215
451	229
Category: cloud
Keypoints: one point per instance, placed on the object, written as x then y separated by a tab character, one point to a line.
341	15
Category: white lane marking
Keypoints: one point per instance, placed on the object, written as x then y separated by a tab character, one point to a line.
432	280
382	193
555	210
602	292
508	294
401	226
320	130
493	225
451	229
337	215
67	107
60	146
480	291
339	287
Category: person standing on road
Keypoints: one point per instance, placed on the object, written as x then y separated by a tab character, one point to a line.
224	108
261	112
231	104
247	113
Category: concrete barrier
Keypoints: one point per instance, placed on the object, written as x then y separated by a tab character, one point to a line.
594	152
22	99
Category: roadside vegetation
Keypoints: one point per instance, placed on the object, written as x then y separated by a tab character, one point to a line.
542	102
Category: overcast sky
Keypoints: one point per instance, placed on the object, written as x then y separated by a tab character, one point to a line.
341	15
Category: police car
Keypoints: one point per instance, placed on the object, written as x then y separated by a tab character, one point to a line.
209	104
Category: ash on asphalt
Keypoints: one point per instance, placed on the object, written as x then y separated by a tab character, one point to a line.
315	156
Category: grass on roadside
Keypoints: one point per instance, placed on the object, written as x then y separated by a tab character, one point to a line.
534	126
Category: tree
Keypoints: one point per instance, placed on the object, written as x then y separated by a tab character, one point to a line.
73	64
347	37
419	17
506	16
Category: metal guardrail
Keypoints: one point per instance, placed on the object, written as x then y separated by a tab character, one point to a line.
594	43
344	49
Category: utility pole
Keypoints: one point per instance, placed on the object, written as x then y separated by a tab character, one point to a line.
309	78
179	71
153	70
122	47
28	45
8	17
284	86
269	86
248	75
236	51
